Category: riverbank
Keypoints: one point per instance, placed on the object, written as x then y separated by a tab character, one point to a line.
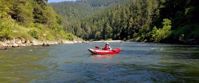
21	43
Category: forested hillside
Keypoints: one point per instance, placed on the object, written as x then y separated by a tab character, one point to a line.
30	19
173	21
82	8
72	12
120	21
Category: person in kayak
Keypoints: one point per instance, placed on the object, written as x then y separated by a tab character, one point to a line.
97	47
107	47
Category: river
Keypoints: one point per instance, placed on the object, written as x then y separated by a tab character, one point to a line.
137	63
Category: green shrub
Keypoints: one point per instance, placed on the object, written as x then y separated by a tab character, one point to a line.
34	33
159	34
5	29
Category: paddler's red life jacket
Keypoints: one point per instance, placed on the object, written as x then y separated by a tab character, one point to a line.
106	47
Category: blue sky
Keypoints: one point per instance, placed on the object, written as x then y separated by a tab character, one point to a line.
59	0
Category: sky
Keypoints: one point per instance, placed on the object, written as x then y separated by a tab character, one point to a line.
59	0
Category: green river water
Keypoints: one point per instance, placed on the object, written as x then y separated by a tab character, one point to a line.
137	63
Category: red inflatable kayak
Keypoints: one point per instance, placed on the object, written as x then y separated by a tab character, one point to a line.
104	52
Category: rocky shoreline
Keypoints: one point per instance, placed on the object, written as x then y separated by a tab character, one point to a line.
21	43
